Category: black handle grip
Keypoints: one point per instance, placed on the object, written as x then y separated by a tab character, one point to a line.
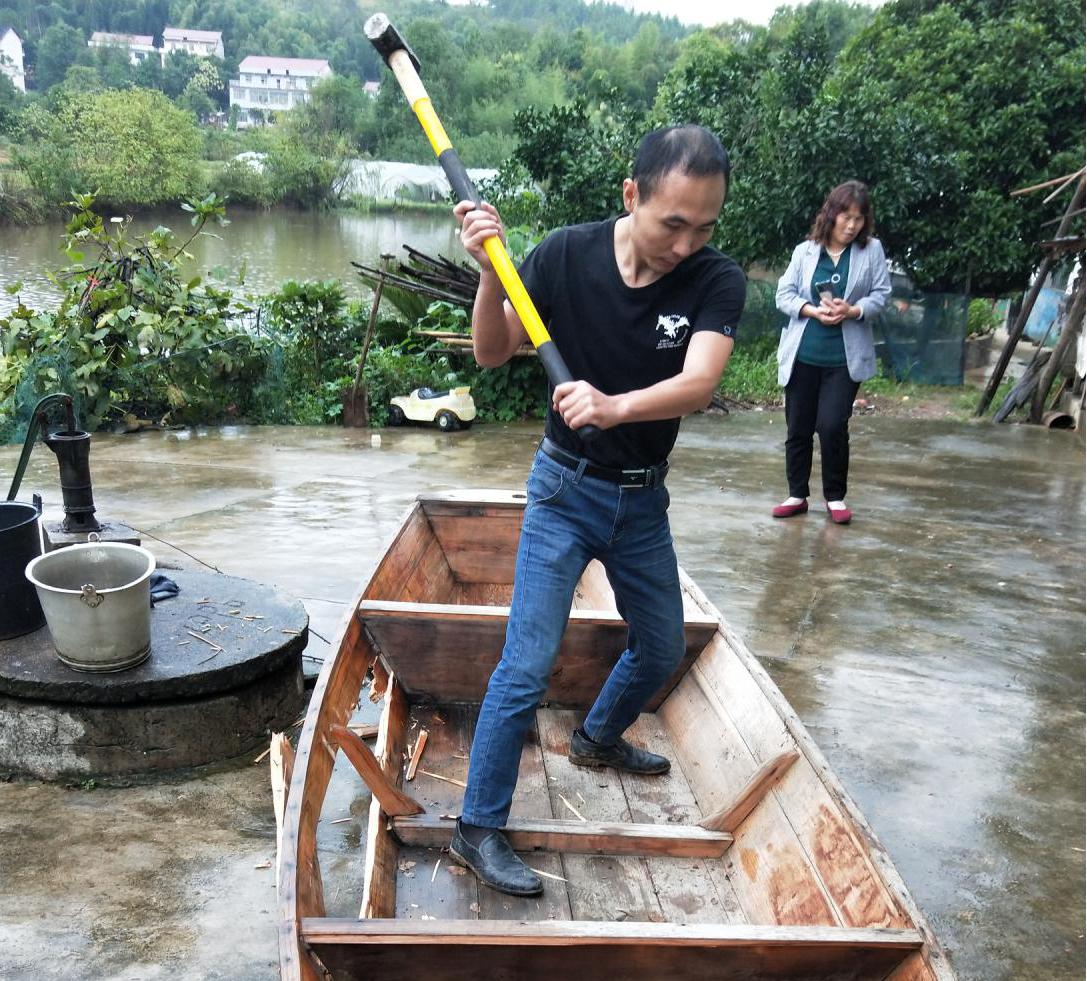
557	373
458	177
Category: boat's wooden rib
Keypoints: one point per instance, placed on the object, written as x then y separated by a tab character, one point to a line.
747	860
730	817
391	800
577	837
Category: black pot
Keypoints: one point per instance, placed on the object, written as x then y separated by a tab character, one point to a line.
20	611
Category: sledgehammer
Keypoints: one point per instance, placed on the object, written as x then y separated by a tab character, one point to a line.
405	66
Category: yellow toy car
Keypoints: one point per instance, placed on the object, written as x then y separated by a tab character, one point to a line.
449	410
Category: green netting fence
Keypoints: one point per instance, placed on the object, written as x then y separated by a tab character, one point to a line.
920	337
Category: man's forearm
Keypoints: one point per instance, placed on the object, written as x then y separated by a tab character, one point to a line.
668	399
490	330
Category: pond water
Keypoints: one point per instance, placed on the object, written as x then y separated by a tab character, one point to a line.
269	246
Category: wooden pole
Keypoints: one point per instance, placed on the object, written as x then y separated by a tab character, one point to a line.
1073	323
1016	331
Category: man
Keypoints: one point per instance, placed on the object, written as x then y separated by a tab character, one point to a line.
644	313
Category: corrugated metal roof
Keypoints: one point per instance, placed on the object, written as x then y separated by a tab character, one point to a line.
280	66
104	37
187	34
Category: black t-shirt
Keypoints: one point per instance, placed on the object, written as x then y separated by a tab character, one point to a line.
621	339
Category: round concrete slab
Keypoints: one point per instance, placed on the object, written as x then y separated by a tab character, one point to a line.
224	671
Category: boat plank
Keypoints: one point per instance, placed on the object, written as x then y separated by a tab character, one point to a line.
379	878
447	654
431	579
773	878
428	888
601	887
531	800
827	835
593	591
399	560
579	837
301	892
454	951
474	556
482	594
689	892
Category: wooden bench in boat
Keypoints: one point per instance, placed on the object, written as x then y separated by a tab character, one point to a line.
472	949
447	651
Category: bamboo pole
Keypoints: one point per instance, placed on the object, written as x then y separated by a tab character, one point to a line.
1020	324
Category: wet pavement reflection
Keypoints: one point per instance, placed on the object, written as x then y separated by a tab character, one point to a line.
934	648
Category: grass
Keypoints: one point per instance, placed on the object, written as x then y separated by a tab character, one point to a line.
751	379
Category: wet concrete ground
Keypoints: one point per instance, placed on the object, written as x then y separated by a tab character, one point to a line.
934	648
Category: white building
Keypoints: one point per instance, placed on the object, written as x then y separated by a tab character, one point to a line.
11	57
273	85
139	46
203	44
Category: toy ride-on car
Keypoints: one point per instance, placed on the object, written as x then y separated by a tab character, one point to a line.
448	410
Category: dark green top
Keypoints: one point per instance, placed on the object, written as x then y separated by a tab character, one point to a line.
822	345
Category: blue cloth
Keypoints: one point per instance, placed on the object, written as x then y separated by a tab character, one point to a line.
162	587
570	519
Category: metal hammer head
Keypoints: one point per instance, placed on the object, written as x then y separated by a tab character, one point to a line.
387	39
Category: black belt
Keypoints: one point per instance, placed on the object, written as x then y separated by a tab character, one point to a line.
641	477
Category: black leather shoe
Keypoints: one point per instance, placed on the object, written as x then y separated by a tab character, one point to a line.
622	756
496	864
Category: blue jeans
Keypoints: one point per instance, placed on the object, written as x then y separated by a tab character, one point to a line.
570	519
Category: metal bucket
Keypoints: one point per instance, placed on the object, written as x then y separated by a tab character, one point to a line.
97	603
20	541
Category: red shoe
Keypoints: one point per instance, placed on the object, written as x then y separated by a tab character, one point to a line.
788	510
840	516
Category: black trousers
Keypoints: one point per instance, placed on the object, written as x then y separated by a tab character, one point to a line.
818	400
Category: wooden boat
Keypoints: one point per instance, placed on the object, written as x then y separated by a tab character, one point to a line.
748	860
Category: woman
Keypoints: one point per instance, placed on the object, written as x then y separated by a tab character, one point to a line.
836	283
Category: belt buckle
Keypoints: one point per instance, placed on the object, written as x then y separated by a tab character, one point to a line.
641	478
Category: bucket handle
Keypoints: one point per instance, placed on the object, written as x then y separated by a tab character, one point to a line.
90	596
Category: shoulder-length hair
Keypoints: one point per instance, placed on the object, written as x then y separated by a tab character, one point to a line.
839	200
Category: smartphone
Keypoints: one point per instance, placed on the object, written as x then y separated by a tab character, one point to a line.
825	289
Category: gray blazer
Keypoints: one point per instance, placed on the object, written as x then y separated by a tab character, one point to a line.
868	287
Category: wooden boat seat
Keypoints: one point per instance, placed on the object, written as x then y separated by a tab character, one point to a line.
446	652
444	950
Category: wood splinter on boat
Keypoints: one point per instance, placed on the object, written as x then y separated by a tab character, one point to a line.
748	859
416	754
394	802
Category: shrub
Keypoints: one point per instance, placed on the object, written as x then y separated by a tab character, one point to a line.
130	333
131	147
242	183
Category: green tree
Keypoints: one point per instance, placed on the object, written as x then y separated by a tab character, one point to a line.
59	48
134	147
178	68
11	102
336	111
578	158
943	115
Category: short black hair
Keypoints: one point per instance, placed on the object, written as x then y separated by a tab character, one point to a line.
690	149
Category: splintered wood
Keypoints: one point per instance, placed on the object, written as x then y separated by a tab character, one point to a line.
416	754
